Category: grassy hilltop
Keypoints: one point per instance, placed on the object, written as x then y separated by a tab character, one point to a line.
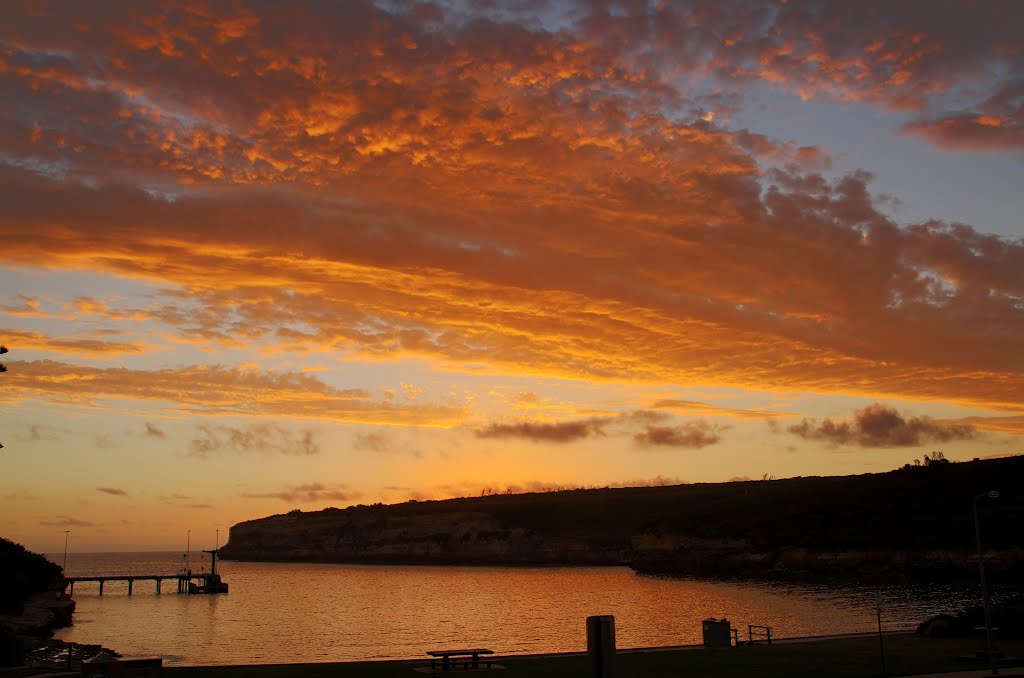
912	520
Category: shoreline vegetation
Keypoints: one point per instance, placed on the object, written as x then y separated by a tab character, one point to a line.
913	523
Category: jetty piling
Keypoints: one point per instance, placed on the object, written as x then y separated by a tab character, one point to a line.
187	583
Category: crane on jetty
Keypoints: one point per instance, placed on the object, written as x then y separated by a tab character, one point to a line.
212	582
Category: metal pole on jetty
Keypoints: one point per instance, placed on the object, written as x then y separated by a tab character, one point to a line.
64	567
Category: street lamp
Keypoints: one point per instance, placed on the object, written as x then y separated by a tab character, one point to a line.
986	601
64	567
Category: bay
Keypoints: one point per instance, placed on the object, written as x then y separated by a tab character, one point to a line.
297	612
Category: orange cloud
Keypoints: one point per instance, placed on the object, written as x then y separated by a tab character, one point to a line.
37	341
971	131
26	306
690	407
493	195
214	390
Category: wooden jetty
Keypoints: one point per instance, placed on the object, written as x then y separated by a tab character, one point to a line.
188	581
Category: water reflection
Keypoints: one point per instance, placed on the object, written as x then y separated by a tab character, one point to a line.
278	612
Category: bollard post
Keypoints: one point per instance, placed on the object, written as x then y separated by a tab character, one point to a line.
601	646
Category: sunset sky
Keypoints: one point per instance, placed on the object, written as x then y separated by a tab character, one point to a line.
259	256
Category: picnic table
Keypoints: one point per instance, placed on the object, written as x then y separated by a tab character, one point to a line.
472	661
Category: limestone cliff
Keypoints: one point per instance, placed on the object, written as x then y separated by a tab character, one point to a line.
914	522
365	536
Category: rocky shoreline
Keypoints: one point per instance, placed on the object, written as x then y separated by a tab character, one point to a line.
32	606
32	632
43	613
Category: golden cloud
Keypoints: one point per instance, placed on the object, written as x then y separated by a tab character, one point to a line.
28	341
215	390
694	408
488	194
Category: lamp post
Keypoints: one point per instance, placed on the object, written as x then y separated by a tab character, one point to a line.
64	567
986	601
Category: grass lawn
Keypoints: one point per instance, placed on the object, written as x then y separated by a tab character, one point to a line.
853	657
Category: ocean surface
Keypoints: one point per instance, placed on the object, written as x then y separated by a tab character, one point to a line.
282	613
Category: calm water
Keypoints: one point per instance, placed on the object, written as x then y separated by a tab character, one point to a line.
317	613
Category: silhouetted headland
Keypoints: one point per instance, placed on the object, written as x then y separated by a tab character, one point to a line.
915	522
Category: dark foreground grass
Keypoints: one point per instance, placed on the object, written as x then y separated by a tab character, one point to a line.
853	657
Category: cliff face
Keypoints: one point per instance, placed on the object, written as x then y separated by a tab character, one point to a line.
478	538
911	523
457	537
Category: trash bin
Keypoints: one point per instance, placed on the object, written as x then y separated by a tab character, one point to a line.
717	633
